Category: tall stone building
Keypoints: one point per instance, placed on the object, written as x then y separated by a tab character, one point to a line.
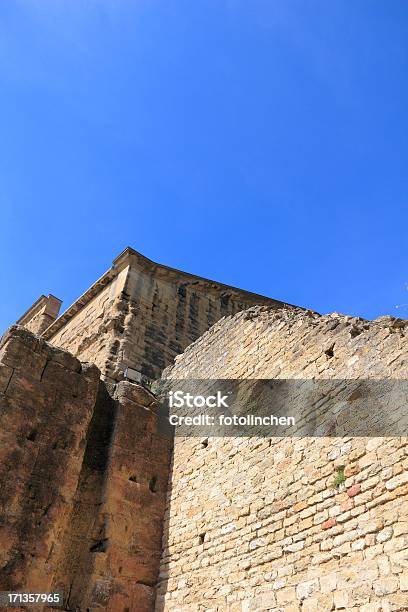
138	316
104	507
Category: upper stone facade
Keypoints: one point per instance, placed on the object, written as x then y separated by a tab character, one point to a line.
139	315
41	314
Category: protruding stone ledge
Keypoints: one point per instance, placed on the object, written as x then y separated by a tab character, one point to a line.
41	314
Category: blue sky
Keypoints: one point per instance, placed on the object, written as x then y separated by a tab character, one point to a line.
262	144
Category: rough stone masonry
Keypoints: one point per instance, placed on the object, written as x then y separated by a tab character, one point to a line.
258	524
139	315
92	503
83	479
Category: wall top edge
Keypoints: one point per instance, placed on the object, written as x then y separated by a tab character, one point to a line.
45	303
134	257
129	257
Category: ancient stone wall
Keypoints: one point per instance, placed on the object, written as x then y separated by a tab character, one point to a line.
113	544
47	399
166	312
259	523
83	478
251	523
140	315
41	314
93	331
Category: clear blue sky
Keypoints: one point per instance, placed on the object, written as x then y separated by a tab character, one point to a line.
259	143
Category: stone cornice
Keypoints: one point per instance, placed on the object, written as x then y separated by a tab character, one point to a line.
131	258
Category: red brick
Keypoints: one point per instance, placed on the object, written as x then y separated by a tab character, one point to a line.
354	490
329	523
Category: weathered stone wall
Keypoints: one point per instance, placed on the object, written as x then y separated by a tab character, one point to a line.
46	402
140	315
167	312
250	524
256	524
41	314
93	332
83	477
113	544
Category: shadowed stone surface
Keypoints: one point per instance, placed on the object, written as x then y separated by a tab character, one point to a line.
83	477
46	403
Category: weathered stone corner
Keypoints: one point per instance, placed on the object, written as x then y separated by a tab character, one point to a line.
83	479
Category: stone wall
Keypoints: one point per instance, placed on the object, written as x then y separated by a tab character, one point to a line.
113	544
167	311
93	330
46	403
250	524
258	523
41	314
83	476
140	315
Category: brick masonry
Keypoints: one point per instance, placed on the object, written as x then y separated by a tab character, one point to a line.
257	524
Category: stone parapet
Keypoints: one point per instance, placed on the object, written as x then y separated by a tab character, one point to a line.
41	314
